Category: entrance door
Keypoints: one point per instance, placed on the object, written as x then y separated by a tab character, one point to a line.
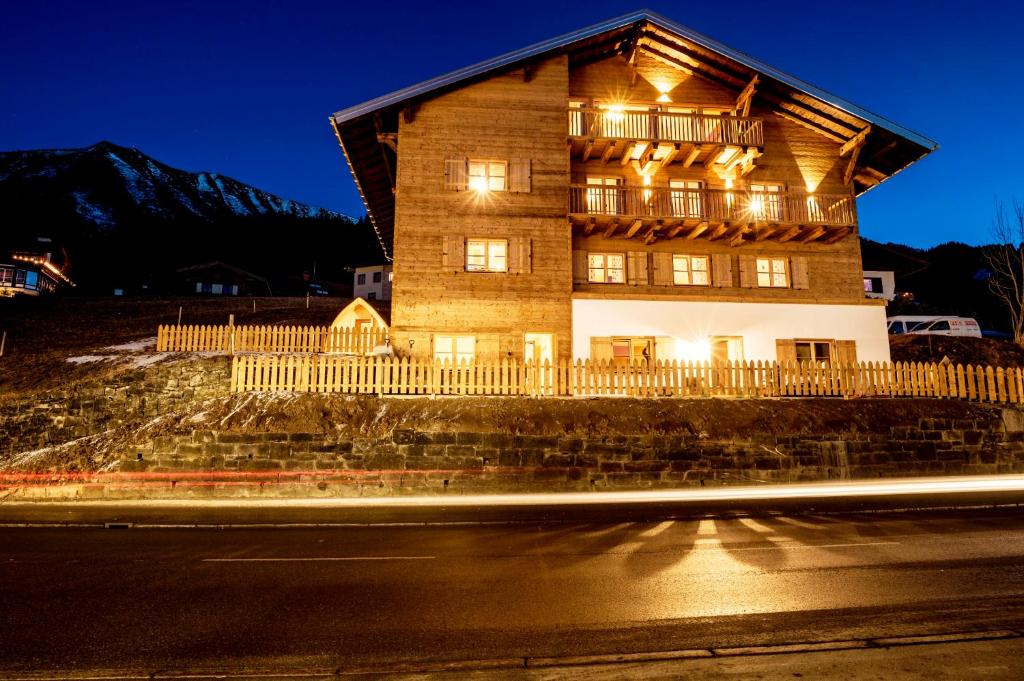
539	348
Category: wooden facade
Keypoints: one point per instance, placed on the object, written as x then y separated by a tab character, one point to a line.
636	147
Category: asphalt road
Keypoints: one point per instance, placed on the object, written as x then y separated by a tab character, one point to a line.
404	597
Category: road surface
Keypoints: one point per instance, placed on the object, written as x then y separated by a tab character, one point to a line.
392	598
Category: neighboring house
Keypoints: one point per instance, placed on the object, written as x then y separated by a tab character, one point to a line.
630	190
32	273
880	284
221	279
372	283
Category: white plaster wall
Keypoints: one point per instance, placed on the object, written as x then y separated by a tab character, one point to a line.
760	324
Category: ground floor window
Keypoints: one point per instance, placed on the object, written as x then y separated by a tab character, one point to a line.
818	352
606	268
454	349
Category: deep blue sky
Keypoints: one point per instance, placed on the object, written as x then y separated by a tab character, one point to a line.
245	89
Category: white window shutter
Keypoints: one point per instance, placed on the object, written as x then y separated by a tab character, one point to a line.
798	271
455	174
519	175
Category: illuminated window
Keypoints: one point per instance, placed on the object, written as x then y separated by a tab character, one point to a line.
487	175
486	255
690	270
6	276
606	268
603	195
687	198
454	349
766	201
772	273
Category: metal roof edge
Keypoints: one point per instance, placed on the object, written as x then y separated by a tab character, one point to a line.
535	49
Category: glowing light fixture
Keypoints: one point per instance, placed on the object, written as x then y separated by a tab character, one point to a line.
478	184
693	351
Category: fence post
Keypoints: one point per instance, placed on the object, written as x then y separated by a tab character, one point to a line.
231	331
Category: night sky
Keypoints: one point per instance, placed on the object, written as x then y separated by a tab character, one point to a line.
245	89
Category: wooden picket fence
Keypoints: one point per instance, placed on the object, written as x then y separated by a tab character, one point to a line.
387	376
231	339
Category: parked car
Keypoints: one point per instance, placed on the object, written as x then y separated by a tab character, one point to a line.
936	326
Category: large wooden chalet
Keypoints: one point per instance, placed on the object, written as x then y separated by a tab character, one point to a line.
630	190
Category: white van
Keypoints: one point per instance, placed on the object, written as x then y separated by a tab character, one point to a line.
936	326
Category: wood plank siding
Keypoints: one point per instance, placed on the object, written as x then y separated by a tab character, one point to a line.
503	118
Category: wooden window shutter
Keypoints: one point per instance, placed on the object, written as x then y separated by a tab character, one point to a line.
455	173
721	263
453	253
636	268
748	271
798	272
579	267
600	349
519	256
663	269
519	175
785	350
845	352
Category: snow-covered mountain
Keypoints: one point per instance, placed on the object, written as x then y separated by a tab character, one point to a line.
106	183
125	218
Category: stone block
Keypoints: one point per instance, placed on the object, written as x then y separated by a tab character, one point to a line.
459	450
403	436
557	461
411	450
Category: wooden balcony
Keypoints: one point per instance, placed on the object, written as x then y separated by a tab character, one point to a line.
735	217
664	137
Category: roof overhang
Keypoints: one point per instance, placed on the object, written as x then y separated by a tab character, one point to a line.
363	129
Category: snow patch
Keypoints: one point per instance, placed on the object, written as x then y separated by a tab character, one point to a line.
91	211
233	203
141	188
88	359
134	346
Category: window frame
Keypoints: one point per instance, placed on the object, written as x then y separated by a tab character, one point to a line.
689	270
487	266
604	267
487	176
771	260
454	353
812	343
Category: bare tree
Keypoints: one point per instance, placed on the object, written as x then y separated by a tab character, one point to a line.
1006	261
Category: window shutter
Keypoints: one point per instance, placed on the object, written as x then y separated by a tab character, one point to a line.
455	174
722	265
663	269
846	352
798	272
636	268
519	175
785	350
453	253
748	271
579	267
526	262
515	255
600	349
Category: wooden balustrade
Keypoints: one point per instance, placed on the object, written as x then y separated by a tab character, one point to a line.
665	126
715	205
232	339
389	376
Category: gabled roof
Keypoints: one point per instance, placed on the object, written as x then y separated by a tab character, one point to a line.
889	149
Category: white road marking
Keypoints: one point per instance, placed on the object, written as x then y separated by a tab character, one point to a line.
657	529
313	559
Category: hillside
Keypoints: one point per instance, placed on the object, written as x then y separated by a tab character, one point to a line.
127	219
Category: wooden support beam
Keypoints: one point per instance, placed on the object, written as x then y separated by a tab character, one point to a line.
673	232
627	152
764	233
709	162
651	235
838	235
692	156
528	73
587	148
634	228
608	151
648	154
409	112
746	96
813	234
589	226
697	231
789	234
670	156
718	231
739	238
388	139
851	165
855	142
831	134
609	231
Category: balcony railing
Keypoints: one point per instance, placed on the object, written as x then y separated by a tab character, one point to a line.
713	205
664	126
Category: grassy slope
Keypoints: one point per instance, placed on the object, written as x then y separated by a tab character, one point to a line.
43	334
